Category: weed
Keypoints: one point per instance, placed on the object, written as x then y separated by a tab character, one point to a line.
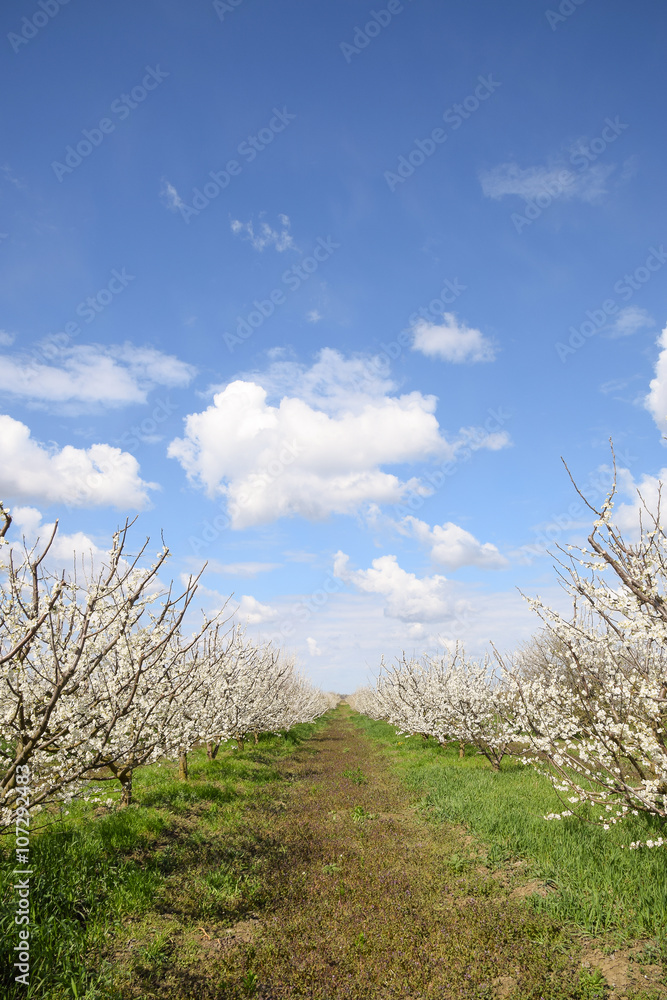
356	775
250	982
360	941
592	985
360	815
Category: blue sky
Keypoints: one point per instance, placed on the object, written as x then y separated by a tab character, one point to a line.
325	291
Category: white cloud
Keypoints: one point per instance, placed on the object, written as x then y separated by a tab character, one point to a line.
91	477
333	383
170	196
555	181
453	547
313	648
251	611
294	459
321	449
451	341
354	631
313	316
407	597
27	524
91	375
656	400
265	236
652	490
6	338
630	320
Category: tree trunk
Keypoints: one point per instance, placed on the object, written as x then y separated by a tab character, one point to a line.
125	778
183	766
212	750
462	749
256	735
239	740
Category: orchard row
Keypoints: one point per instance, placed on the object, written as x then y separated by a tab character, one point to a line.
585	701
99	675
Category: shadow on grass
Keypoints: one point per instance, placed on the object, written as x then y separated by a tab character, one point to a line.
95	870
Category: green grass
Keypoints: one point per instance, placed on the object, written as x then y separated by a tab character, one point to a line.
320	859
598	885
96	870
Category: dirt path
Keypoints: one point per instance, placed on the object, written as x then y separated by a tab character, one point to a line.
372	901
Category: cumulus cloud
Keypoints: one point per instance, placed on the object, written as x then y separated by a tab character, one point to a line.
407	597
451	341
656	400
552	181
452	546
647	492
321	448
332	383
313	648
251	611
90	375
264	236
299	459
630	320
96	476
29	526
